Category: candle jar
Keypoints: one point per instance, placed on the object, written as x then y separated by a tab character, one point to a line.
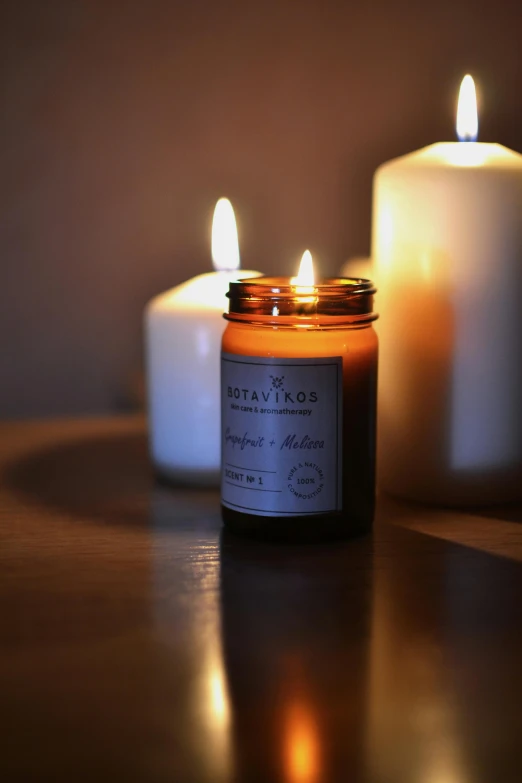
298	409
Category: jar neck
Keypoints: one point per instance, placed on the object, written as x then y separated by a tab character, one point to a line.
301	324
275	301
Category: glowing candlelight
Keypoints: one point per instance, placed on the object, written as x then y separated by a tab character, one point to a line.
304	282
467	117
225	245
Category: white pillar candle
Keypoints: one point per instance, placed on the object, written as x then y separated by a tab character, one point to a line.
447	254
183	330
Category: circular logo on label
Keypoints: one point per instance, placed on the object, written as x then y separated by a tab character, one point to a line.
305	480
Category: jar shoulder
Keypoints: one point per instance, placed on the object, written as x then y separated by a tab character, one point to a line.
251	340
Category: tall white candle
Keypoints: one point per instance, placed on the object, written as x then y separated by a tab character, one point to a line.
183	330
447	254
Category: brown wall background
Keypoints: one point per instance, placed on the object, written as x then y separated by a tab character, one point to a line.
123	122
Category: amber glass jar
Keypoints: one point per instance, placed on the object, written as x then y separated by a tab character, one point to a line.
298	389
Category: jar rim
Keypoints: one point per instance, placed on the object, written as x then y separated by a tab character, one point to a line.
351	297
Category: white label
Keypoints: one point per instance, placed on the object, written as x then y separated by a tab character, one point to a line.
281	435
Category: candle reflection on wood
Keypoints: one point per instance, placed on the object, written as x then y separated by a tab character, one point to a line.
310	690
302	744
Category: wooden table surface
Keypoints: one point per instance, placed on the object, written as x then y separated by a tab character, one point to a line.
140	643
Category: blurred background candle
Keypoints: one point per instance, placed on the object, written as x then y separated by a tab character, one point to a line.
183	329
447	255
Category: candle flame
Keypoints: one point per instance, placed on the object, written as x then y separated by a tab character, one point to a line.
305	276
467	118
225	246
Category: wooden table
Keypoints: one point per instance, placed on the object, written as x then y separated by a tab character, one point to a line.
140	643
